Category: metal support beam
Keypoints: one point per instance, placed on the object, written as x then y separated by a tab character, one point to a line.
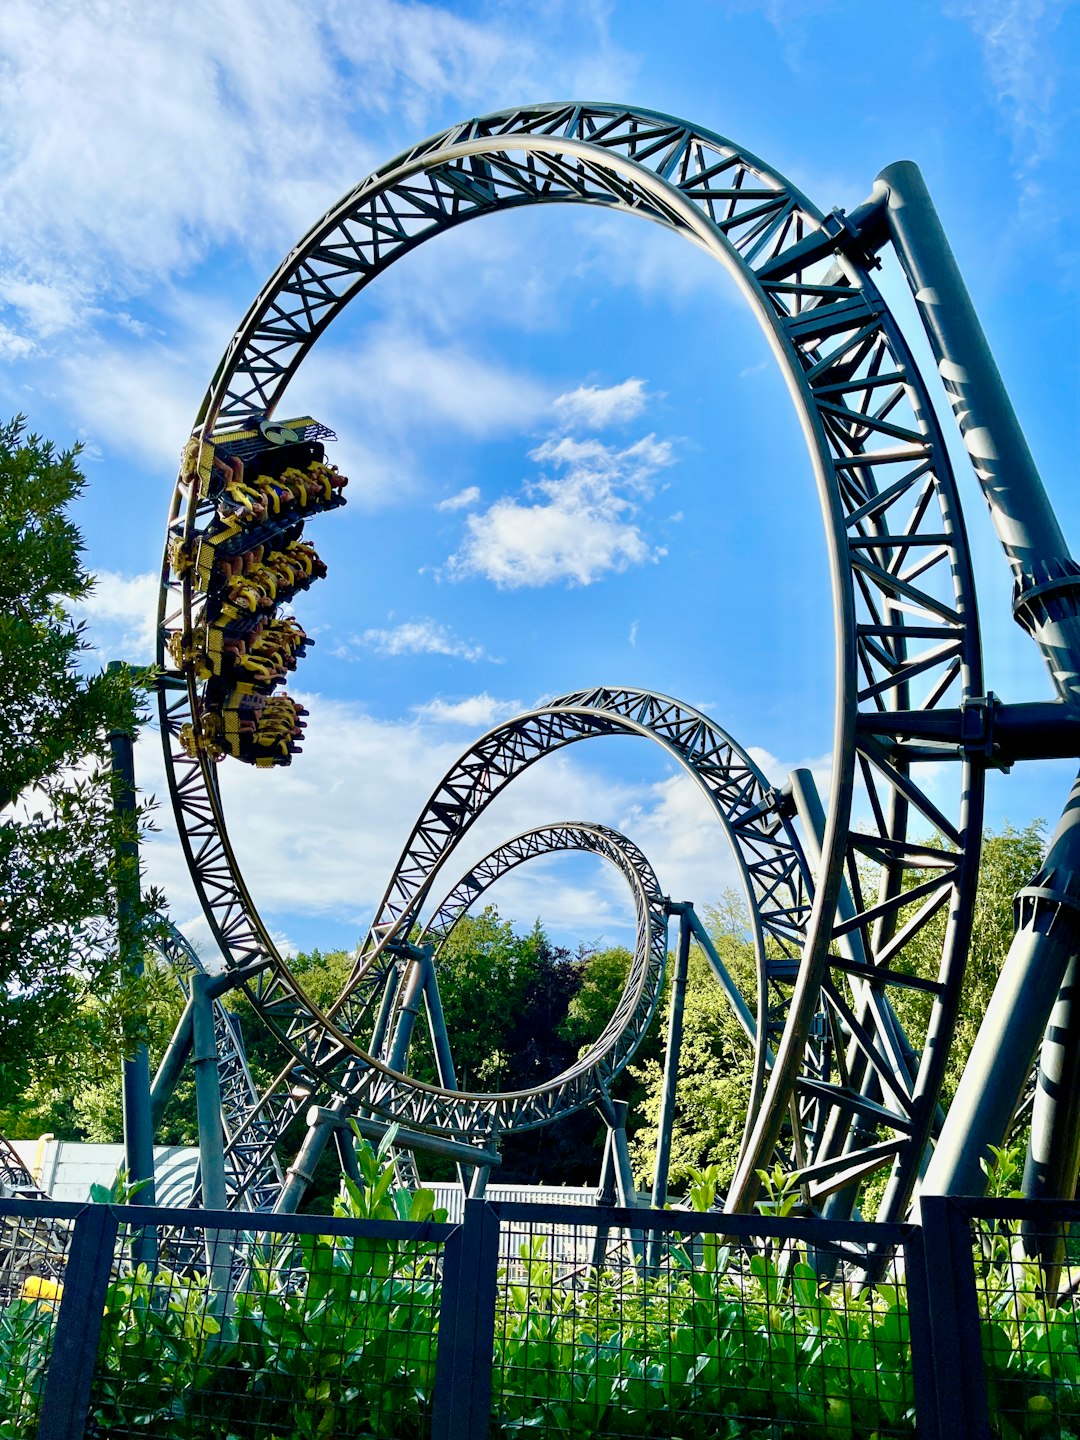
409	1009
615	1112
301	1172
671	1058
138	1127
171	1067
1046	594
207	1097
1047	941
204	1056
406	1139
1053	1157
1004	734
743	1014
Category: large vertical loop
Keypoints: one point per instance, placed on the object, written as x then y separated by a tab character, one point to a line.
903	600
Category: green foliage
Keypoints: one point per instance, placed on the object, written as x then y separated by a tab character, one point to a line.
337	1336
59	835
51	715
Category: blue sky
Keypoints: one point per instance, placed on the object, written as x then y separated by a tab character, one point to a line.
582	393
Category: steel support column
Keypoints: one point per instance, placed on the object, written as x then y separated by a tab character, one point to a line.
171	1067
1046	943
671	1058
211	1139
1046	596
138	1127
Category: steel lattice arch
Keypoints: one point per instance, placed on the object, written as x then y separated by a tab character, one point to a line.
906	643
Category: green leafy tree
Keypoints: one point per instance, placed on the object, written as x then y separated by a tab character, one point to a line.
58	830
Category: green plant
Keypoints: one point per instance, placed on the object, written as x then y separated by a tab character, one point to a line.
333	1336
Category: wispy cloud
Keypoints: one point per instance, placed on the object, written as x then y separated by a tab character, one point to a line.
462	500
1022	65
595	407
582	528
476	712
121	616
137	138
415	637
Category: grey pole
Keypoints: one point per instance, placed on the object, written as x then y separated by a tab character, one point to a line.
743	1014
440	1044
671	1058
605	1197
1044	947
300	1173
171	1066
207	1097
1046	603
440	1039
138	1129
1046	579
410	1007
1053	1156
215	1196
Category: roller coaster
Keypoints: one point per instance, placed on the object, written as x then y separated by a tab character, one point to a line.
841	889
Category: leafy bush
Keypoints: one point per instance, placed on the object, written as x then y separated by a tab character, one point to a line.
328	1337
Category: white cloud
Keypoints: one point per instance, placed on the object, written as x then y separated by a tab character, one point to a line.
1022	65
632	637
594	407
462	500
477	712
320	839
138	137
14	346
419	637
121	616
141	399
583	528
400	389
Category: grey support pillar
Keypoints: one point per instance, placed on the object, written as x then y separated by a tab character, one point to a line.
138	1129
671	1058
605	1197
1054	1153
412	995
207	1096
1046	579
171	1067
321	1125
1046	944
1046	603
211	1139
615	1112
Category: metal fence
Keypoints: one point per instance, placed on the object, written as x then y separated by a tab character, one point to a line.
532	1319
1005	1294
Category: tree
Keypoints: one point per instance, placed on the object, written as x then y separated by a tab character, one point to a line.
58	830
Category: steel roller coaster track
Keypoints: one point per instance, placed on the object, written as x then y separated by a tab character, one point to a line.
900	843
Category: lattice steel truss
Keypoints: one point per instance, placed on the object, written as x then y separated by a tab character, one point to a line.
903	610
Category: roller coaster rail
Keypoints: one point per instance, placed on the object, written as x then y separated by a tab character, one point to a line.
835	910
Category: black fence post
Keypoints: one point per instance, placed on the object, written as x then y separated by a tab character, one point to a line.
955	1327
65	1401
922	1343
462	1402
